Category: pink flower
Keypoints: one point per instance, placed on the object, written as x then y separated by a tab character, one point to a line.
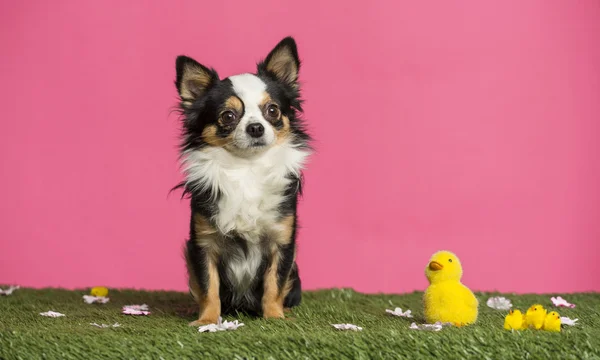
136	310
560	302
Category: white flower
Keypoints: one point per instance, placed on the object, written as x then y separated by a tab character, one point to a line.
398	312
9	291
560	302
136	310
430	327
52	314
89	299
568	321
105	325
221	326
347	327
499	303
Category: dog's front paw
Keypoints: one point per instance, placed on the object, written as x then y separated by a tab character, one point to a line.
204	321
273	312
274	315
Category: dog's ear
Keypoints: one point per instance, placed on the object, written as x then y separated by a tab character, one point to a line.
282	63
193	79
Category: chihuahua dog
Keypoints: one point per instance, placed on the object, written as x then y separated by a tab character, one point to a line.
243	150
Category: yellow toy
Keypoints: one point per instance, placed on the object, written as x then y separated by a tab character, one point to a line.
552	322
535	316
515	320
447	299
99	291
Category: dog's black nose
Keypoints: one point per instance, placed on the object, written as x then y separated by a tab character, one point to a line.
255	130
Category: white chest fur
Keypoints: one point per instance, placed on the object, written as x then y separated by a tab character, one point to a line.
251	190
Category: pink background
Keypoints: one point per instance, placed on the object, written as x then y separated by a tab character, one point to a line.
463	125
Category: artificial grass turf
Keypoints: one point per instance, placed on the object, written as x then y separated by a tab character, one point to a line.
24	334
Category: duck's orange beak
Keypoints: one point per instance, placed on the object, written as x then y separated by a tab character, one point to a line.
434	265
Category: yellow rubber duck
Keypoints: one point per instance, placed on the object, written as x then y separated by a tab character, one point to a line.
552	322
99	291
515	320
535	316
447	299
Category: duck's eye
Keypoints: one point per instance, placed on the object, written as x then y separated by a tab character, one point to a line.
449	260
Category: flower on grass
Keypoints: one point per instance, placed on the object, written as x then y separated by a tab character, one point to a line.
136	310
429	327
398	312
89	299
347	327
9	291
568	321
221	326
105	325
52	314
499	303
560	302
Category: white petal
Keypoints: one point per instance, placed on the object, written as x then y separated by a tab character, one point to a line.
428	327
9	291
95	299
52	314
398	312
221	326
347	327
568	321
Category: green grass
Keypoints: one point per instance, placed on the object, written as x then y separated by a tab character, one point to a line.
24	334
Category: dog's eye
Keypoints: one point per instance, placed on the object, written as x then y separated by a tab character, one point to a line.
228	117
272	112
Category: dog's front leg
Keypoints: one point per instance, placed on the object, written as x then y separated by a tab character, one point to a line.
208	299
201	258
276	278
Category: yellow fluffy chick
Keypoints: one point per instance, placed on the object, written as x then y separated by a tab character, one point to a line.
99	291
552	322
447	299
515	320
535	316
